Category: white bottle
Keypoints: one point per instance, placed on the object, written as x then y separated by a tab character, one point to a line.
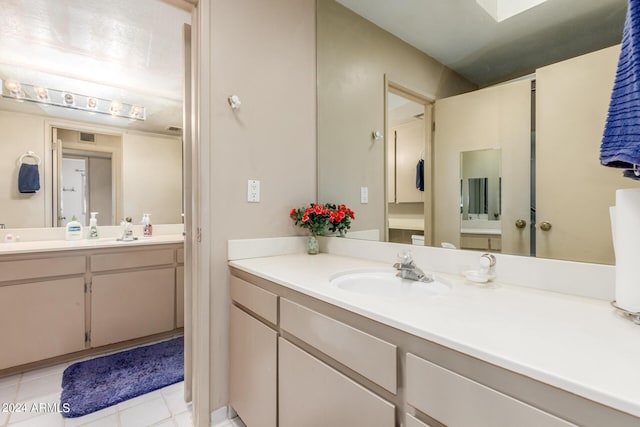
73	230
93	226
147	227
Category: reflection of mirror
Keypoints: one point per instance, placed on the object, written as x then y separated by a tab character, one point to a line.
357	57
140	64
480	195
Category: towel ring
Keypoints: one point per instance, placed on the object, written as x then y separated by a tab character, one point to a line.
32	155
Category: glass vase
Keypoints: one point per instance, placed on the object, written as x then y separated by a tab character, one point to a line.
313	247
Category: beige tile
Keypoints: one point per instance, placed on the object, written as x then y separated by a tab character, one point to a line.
28	409
108	421
8	393
46	420
169	422
184	419
175	402
103	413
145	414
10	380
38	387
44	372
138	400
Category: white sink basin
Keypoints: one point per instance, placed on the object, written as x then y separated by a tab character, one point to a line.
385	283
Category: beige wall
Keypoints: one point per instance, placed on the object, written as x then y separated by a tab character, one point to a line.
152	177
20	133
354	56
264	52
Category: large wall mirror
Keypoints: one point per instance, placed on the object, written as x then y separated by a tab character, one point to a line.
496	89
105	61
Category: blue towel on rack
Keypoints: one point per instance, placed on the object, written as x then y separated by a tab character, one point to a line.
28	178
621	141
420	175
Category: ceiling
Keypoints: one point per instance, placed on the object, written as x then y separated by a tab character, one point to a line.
463	36
122	50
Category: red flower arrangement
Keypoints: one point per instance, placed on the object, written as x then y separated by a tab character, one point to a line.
322	218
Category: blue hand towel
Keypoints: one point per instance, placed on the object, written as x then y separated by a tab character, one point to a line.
28	178
420	175
621	141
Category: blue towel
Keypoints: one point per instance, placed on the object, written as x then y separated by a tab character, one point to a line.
621	141
28	178
420	175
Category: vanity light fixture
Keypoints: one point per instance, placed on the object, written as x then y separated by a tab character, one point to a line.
68	99
14	88
42	95
92	103
115	108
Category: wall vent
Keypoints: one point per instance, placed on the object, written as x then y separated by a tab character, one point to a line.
88	137
174	129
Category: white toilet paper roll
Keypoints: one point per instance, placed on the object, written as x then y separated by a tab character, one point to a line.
627	242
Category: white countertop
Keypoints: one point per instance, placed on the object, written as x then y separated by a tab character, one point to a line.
577	344
64	245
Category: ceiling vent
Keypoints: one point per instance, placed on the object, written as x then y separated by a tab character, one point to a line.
88	137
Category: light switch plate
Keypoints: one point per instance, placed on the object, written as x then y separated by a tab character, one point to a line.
253	191
364	195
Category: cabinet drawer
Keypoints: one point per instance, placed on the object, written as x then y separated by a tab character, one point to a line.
134	259
41	320
42	267
312	394
458	401
256	299
474	242
370	356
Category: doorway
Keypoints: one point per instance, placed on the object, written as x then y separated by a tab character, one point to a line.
86	176
408	131
86	179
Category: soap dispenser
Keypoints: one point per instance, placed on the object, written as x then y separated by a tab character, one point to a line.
147	227
93	226
73	230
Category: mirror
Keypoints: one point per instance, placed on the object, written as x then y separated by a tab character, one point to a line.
357	59
139	65
481	186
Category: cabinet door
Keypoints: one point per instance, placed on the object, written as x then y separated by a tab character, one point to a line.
252	374
312	394
131	305
41	320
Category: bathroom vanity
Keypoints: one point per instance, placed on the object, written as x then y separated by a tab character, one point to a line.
61	298
304	351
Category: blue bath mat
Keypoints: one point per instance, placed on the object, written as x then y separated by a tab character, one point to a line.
105	381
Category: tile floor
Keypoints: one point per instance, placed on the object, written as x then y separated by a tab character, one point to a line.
162	408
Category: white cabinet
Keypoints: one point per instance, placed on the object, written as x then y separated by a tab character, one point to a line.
253	355
312	394
41	319
253	362
131	305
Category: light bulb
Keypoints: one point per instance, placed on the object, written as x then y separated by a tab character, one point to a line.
68	99
41	93
13	87
115	108
92	103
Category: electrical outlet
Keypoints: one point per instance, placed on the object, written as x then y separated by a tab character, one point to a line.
364	195
253	191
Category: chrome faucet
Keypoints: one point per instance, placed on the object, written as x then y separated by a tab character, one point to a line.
407	269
